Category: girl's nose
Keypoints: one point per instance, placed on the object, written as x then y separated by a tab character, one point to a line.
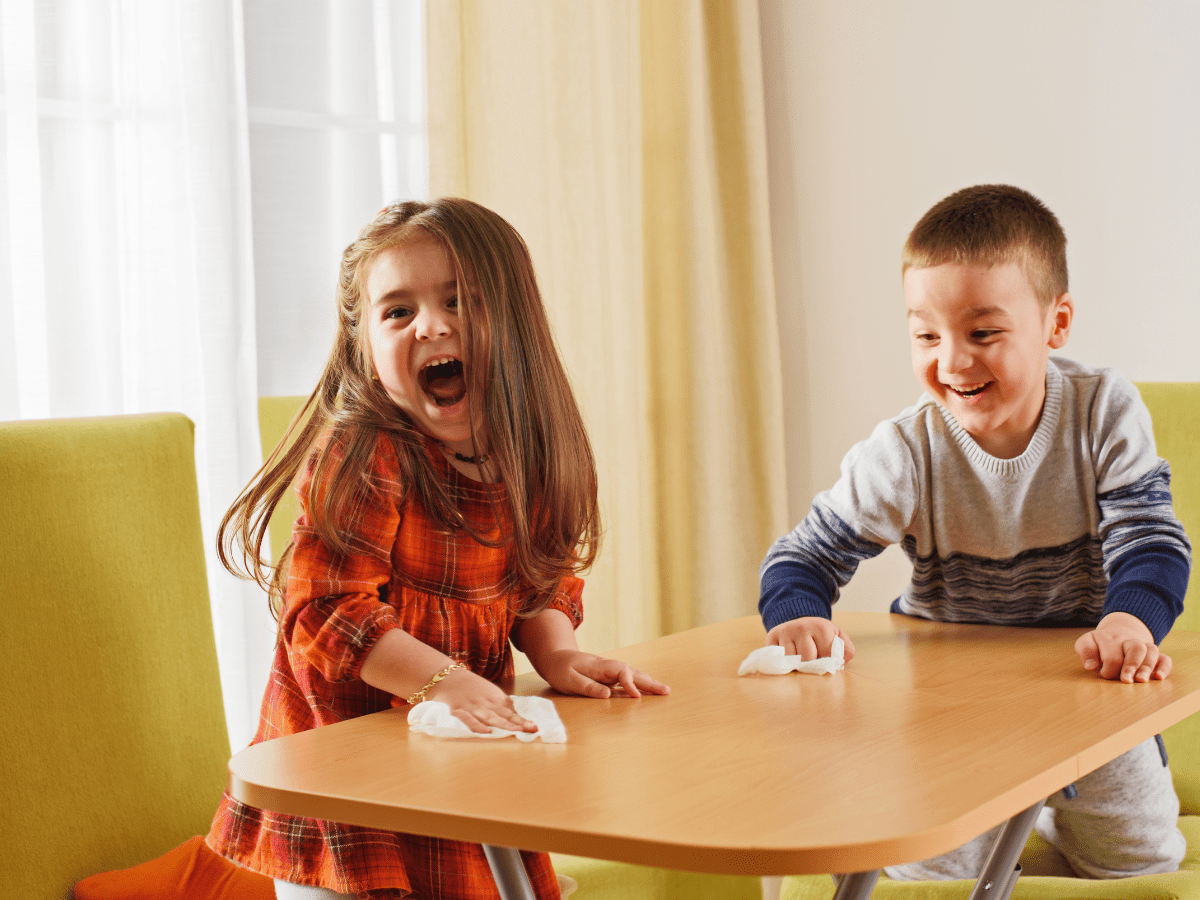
432	323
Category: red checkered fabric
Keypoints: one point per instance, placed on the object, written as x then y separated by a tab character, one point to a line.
457	596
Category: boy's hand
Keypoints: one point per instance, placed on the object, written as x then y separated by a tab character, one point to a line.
575	672
809	637
1122	647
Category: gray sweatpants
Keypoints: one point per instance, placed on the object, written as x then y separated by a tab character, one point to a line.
1123	822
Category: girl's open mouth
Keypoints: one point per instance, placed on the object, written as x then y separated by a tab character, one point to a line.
443	382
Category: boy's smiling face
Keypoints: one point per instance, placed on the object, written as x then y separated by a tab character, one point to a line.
980	342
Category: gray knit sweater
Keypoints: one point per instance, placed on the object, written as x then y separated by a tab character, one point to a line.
1077	526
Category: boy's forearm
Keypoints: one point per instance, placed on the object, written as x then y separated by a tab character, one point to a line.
1150	583
792	590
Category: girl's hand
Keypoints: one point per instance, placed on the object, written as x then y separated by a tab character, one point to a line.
809	637
478	703
1123	647
575	672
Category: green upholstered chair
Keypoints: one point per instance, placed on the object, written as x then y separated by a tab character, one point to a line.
598	879
114	748
1175	409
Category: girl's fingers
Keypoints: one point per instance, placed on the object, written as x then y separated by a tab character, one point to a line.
598	677
648	684
482	721
472	721
583	684
627	678
633	681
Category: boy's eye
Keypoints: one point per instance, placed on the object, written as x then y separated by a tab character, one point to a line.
983	334
925	338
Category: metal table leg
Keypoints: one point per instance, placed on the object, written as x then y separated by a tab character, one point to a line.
999	875
856	885
509	871
996	881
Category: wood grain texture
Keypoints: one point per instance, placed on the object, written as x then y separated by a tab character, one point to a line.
933	734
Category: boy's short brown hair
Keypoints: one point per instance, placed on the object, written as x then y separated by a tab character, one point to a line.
992	224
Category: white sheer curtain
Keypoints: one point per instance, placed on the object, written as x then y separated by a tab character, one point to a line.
126	272
129	261
336	93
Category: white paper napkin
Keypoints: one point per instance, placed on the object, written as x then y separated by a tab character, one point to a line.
433	717
772	661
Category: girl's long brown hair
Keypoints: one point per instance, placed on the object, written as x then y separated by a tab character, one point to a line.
517	393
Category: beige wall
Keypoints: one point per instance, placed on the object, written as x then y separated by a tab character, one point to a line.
876	109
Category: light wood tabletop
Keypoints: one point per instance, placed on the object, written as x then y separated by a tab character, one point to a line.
932	734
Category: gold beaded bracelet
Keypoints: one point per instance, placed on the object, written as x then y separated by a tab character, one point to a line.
420	695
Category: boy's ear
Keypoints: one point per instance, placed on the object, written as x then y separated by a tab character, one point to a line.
1061	313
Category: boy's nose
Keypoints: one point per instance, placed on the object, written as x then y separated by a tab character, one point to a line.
954	357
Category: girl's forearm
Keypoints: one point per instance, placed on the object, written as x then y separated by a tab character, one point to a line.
401	664
549	631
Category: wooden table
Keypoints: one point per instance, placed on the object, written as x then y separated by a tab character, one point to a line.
933	734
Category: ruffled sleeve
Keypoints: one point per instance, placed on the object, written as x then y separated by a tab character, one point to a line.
335	608
568	599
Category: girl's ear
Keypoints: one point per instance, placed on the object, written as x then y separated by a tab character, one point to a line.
1061	314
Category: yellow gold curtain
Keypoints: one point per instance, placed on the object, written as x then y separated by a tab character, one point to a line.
625	141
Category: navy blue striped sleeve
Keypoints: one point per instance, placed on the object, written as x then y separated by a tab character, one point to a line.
805	569
1147	555
1150	583
790	590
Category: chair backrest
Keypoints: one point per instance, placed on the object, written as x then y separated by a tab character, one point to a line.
1175	409
114	746
275	414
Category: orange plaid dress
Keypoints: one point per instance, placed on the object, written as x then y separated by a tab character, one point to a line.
456	597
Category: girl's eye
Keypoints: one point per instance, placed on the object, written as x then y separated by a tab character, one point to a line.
397	312
925	338
452	303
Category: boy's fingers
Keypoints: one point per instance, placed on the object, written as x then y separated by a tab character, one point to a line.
1088	651
1132	655
807	649
849	648
1146	666
1163	668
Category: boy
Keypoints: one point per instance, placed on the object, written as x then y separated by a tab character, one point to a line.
1026	491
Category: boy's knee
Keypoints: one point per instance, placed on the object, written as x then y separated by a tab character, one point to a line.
1122	822
1097	847
964	862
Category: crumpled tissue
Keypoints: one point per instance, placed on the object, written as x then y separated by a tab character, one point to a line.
433	717
772	661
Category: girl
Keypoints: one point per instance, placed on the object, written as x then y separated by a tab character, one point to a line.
448	499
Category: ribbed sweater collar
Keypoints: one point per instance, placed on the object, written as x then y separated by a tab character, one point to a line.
1038	444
